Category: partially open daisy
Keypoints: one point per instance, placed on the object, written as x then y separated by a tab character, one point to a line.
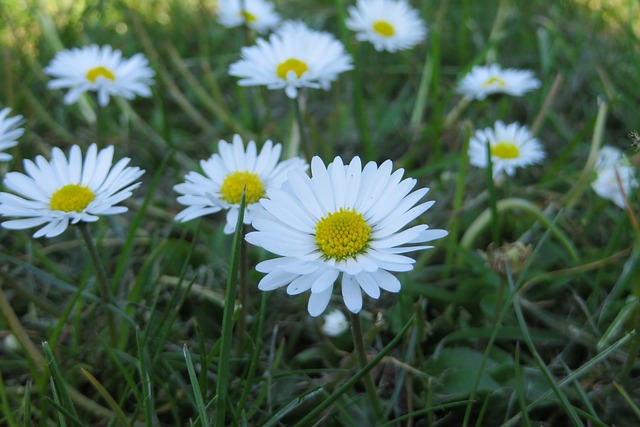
342	221
9	132
225	176
511	147
390	25
293	57
483	81
67	190
615	176
99	69
256	14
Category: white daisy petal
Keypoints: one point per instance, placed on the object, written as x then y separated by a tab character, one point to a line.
225	176
294	57
483	81
615	176
389	25
102	70
256	14
329	225
511	147
57	192
9	132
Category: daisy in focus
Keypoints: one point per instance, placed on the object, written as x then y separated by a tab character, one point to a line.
390	25
294	57
99	69
9	132
511	146
225	176
612	166
65	191
258	15
342	222
483	81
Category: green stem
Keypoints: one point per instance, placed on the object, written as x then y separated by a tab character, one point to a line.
101	277
243	288
302	129
358	342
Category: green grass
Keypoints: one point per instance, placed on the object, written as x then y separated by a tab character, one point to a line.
550	339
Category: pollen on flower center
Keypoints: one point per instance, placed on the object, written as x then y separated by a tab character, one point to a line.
100	71
494	81
384	28
291	64
505	150
71	198
342	234
231	189
249	17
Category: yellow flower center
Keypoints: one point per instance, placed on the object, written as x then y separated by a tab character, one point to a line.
291	64
71	198
100	71
384	28
231	189
342	234
494	81
249	17
505	150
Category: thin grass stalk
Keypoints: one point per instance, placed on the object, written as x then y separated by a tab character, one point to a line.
366	141
145	380
521	388
101	278
336	394
361	355
4	404
493	200
26	404
458	199
195	386
243	291
102	391
222	385
58	381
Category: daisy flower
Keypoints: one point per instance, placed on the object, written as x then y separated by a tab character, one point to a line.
390	25
256	14
67	190
225	176
342	221
293	57
611	166
511	147
335	323
99	69
9	132
483	81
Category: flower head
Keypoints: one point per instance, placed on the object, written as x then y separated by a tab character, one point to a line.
256	14
482	81
511	147
293	57
100	69
612	166
225	176
342	221
67	190
390	25
9	132
335	323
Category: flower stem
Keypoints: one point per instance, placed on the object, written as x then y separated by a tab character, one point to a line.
243	291
101	277
358	342
304	132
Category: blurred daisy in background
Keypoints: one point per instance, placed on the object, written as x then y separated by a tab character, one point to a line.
335	323
615	176
258	15
65	191
225	176
100	69
483	81
294	57
9	132
342	221
390	25
511	146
